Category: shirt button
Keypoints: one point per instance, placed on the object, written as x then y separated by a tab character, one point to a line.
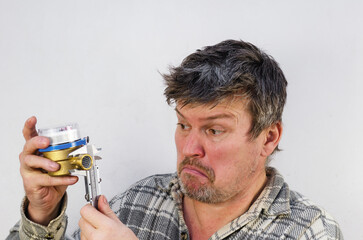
49	236
184	236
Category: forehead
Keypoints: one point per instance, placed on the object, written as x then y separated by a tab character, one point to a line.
226	109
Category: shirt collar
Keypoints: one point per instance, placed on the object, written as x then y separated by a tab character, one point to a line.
273	200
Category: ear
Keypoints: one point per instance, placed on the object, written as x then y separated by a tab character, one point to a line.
272	139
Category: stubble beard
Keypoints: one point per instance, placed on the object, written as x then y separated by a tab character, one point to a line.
205	192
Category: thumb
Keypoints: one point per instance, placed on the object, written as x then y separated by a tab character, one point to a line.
104	208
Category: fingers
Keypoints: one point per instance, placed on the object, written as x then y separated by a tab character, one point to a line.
97	218
105	208
35	143
39	179
32	175
30	170
83	237
93	217
97	225
29	130
44	180
31	162
86	229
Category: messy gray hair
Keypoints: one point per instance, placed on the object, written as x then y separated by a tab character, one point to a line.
227	69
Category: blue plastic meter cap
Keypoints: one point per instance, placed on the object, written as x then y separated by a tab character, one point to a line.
62	146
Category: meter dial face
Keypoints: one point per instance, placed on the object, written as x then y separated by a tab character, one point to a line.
61	134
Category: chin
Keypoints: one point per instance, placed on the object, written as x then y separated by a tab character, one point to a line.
194	189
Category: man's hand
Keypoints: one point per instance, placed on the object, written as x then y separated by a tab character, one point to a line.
43	191
102	224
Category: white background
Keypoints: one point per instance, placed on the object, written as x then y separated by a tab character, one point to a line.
98	63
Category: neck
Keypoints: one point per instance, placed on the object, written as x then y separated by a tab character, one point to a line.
204	219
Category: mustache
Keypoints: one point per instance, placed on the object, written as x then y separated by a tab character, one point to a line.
209	172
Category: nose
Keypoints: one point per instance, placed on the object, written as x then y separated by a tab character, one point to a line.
193	146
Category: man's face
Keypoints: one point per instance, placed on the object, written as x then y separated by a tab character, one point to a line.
217	160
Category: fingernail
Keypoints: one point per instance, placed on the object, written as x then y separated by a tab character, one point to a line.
105	200
29	119
43	140
54	166
73	179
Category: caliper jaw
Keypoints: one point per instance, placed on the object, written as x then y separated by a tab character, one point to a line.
92	178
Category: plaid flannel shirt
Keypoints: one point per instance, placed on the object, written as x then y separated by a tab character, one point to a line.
152	208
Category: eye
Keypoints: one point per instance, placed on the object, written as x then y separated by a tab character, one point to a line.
215	131
183	126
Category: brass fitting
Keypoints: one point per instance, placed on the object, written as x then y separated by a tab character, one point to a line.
79	162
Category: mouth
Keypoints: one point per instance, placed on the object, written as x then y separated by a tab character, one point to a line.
192	167
194	171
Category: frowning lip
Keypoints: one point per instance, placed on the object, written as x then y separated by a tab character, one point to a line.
194	167
194	171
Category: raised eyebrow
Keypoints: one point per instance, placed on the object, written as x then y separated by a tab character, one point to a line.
217	116
179	113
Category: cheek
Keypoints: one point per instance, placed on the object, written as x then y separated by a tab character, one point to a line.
178	142
229	159
222	158
223	153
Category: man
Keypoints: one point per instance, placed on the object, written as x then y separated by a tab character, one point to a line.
229	100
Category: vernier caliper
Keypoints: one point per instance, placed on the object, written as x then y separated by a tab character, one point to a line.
75	156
